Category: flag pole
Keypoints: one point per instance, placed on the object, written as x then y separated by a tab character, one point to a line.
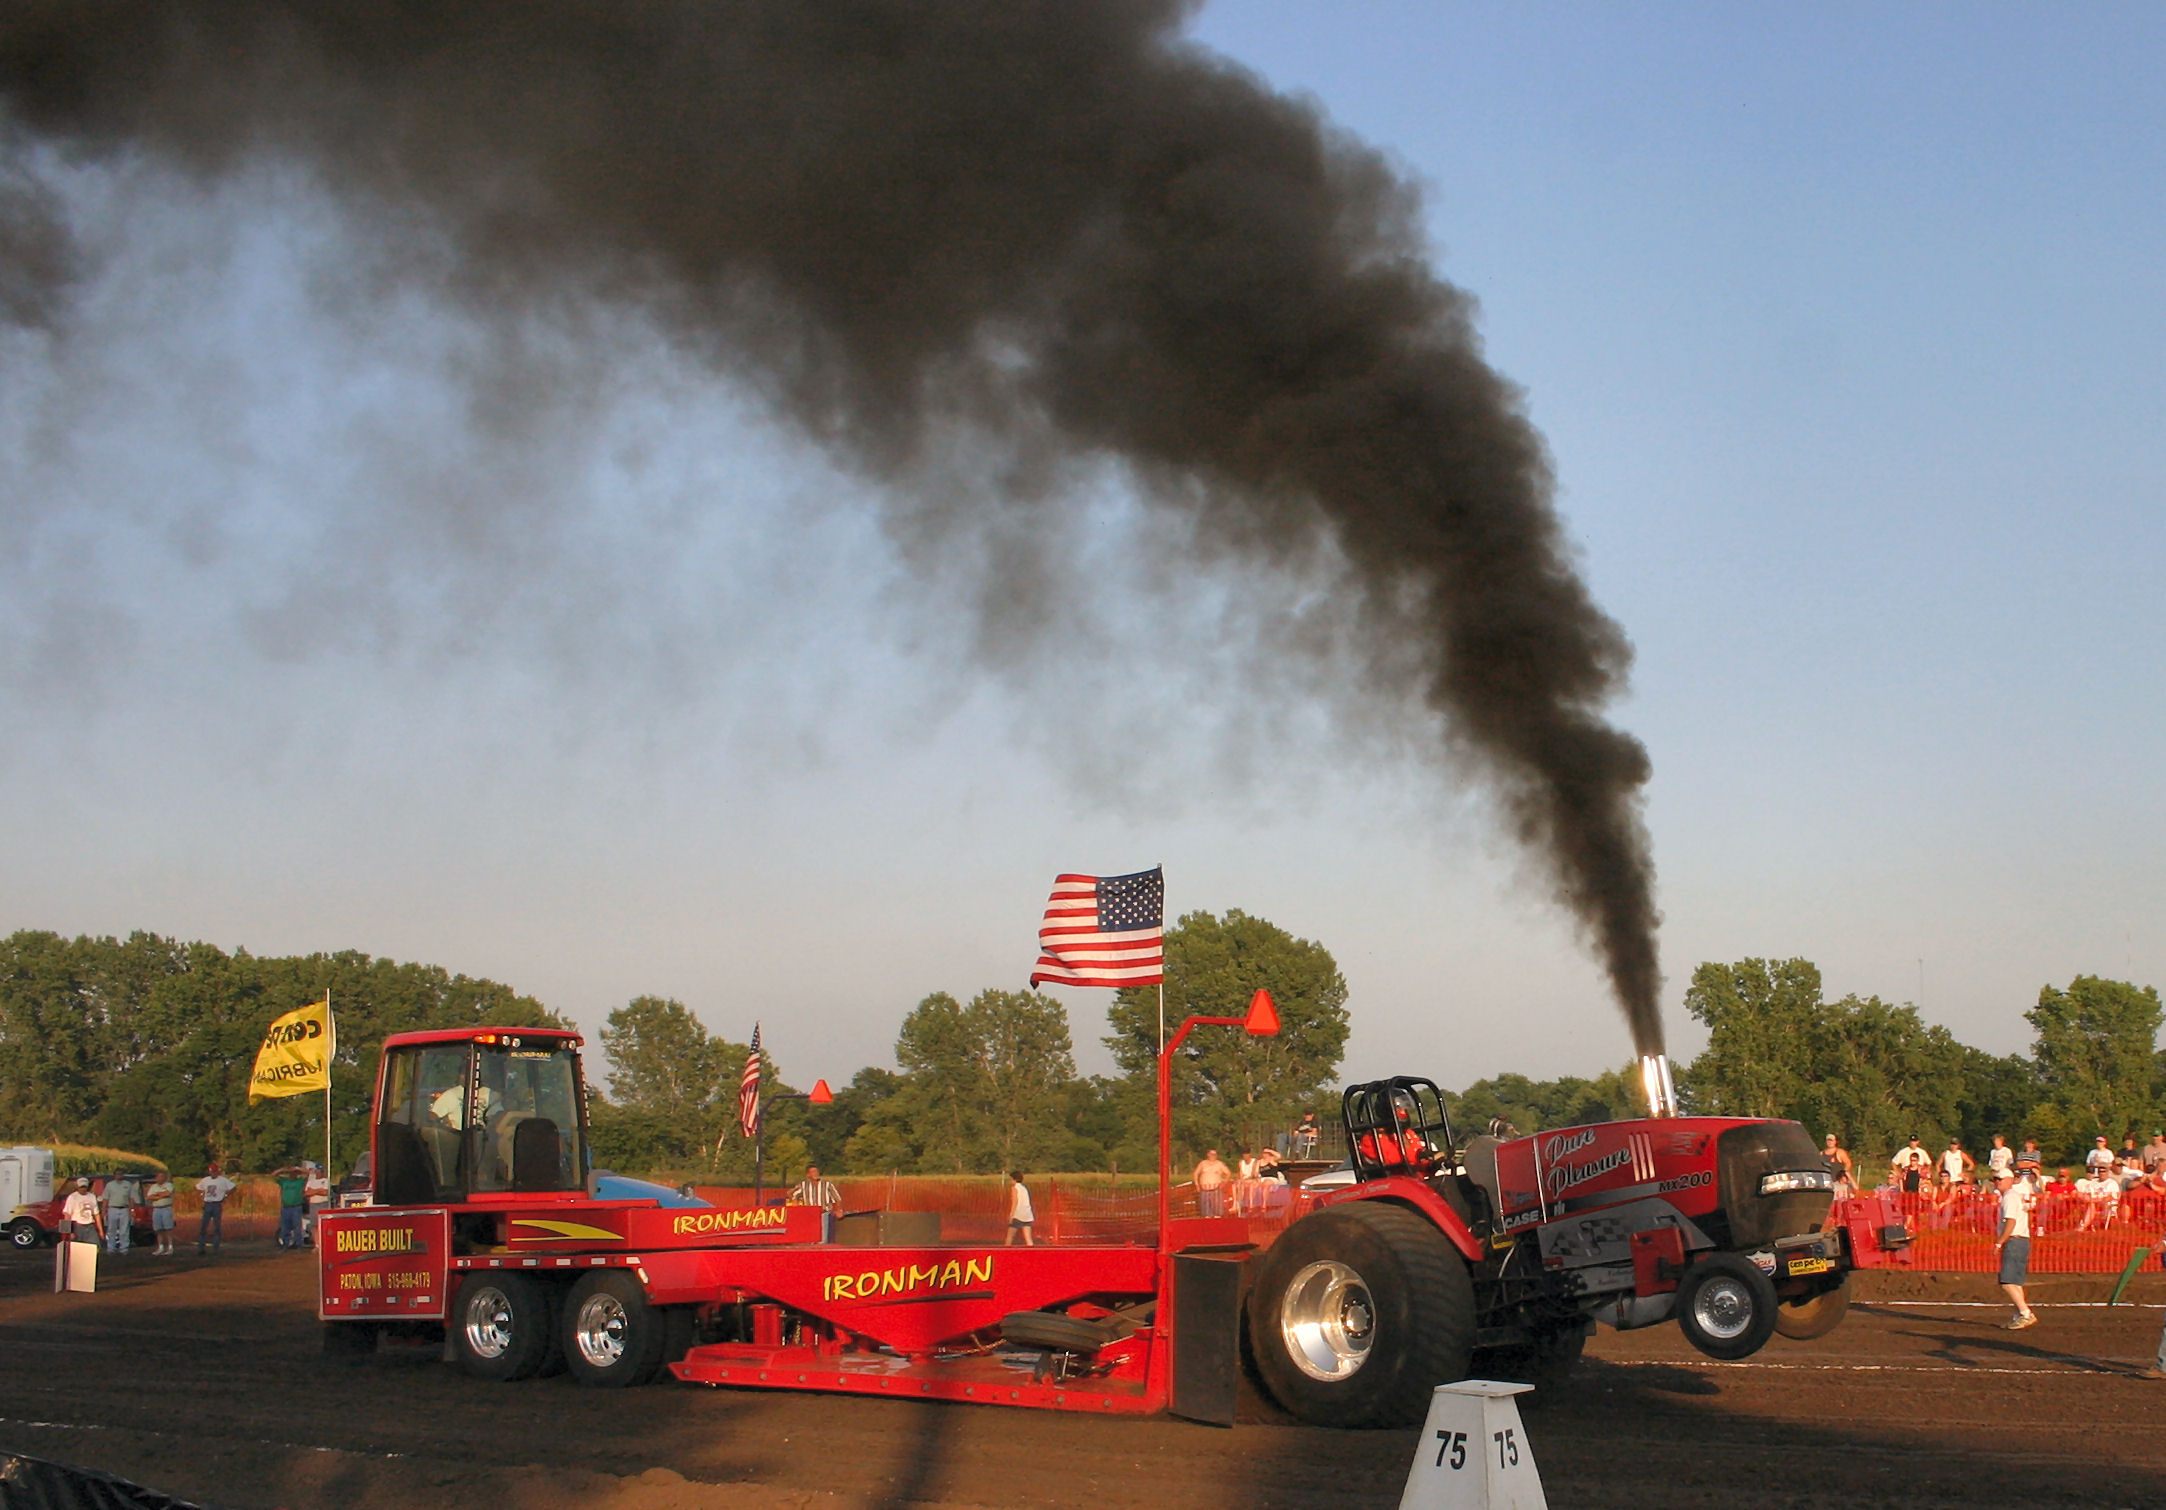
330	1053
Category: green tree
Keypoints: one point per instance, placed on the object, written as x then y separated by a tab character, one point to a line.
2095	1054
1231	1090
1870	1072
1535	1105
983	1087
146	1043
1758	1016
662	1059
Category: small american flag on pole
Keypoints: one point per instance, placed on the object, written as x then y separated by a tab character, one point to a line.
1104	931
748	1089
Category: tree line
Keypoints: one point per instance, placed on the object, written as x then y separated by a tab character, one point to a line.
145	1043
1876	1074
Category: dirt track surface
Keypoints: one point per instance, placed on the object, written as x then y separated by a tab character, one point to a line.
203	1379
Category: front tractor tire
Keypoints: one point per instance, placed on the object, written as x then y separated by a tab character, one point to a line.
1726	1307
1358	1313
1814	1316
612	1338
503	1326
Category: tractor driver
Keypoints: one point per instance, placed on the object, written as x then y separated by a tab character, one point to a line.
1402	1147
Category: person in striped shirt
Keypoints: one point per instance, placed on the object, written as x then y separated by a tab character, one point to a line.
814	1191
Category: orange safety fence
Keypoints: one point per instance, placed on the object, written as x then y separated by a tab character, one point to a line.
2070	1234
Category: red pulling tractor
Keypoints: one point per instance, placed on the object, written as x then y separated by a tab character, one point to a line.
1425	1260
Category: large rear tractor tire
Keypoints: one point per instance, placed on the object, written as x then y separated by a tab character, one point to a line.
1358	1313
612	1338
1815	1316
503	1326
1726	1307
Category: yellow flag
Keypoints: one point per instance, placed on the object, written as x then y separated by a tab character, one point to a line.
296	1054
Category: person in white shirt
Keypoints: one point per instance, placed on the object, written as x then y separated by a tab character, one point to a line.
79	1215
1021	1219
120	1199
814	1191
214	1188
2000	1156
2101	1194
1910	1164
2100	1157
2014	1247
1956	1164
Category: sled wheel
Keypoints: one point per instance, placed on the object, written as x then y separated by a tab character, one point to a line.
1815	1315
1052	1332
501	1327
613	1338
1358	1313
1726	1307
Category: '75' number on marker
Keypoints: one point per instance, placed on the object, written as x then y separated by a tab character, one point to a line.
1452	1445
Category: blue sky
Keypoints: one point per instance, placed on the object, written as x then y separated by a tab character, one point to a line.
1847	330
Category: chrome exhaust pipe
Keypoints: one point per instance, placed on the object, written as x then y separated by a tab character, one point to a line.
1661	1089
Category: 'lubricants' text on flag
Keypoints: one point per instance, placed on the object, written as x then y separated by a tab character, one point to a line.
296	1054
1104	931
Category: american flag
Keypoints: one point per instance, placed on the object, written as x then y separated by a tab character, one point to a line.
1104	931
748	1089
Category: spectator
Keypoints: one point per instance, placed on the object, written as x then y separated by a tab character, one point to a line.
2014	1247
1955	1164
2062	1185
1267	1167
2101	1194
1307	1134
292	1203
319	1196
2154	1152
120	1199
1910	1165
2000	1156
814	1191
79	1215
1021	1218
2100	1158
2130	1153
211	1229
2030	1163
1837	1159
159	1193
1211	1176
2130	1173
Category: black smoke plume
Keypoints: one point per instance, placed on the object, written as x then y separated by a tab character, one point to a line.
1056	225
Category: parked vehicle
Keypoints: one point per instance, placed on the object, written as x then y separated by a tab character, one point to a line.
34	1224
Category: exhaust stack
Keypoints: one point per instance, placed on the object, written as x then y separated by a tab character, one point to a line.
1661	1090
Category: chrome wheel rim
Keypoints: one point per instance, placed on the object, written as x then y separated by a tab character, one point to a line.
598	1330
1723	1308
488	1322
1327	1321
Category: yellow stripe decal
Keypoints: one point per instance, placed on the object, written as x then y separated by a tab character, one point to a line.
562	1229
